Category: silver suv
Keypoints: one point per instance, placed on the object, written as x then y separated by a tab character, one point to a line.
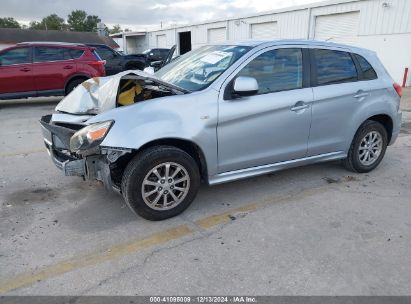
225	112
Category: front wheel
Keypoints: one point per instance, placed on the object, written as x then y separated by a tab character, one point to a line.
160	183
368	147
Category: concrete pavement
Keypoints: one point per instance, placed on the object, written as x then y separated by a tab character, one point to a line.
316	230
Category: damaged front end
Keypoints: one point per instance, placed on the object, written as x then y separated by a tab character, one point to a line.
67	146
101	94
74	143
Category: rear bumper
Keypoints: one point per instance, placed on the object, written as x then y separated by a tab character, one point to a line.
396	128
57	142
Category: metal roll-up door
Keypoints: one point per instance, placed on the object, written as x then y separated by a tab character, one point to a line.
161	41
216	35
341	28
265	30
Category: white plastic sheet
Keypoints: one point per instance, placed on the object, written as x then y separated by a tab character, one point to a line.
96	95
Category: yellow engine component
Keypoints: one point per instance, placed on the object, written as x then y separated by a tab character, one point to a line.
129	91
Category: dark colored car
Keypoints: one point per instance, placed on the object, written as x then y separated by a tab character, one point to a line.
117	62
156	54
46	68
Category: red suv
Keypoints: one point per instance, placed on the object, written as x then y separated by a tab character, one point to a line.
46	69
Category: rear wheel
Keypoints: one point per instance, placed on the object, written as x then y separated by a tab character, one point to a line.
368	147
160	183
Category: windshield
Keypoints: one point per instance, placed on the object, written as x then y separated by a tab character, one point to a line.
196	70
146	51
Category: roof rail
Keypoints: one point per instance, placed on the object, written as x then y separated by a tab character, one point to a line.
51	42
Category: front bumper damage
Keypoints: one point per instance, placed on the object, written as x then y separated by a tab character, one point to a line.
90	165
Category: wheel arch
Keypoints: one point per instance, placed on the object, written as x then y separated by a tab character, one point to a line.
75	77
386	121
187	146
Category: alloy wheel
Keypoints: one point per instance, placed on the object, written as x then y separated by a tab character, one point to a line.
165	186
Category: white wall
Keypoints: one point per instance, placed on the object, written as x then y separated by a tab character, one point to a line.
119	41
135	44
393	50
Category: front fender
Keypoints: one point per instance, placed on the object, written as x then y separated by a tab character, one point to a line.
191	117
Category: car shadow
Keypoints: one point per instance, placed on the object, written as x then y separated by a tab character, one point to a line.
97	209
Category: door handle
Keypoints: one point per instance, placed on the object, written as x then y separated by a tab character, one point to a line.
299	106
68	67
25	69
361	95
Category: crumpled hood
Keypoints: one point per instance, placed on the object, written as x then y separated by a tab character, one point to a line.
99	94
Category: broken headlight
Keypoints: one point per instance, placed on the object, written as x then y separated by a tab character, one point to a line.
90	136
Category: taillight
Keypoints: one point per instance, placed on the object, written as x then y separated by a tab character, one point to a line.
99	62
398	89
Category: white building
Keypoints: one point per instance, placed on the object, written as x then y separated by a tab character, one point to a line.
381	25
131	42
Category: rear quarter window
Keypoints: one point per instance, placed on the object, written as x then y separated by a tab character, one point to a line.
368	72
334	67
75	54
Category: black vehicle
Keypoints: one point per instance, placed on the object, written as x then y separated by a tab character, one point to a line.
117	62
165	58
156	54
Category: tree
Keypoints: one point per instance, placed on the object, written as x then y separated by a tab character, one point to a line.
51	22
9	22
115	29
79	21
34	25
90	24
76	20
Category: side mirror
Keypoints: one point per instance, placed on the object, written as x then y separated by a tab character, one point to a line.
245	86
149	70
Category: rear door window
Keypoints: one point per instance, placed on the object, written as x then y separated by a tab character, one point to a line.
15	56
46	53
334	67
368	73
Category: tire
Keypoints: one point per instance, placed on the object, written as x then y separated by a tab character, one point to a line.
73	84
139	172
356	162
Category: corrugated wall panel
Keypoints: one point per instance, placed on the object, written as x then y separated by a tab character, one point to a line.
333	9
374	20
161	41
265	30
216	34
238	30
341	27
